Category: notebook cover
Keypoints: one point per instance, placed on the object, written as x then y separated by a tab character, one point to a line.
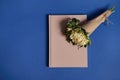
62	53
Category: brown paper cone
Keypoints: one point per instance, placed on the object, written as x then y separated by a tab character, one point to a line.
91	26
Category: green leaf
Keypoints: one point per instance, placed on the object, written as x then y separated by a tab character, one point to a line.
112	9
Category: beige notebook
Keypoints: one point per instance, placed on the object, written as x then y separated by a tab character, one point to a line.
62	53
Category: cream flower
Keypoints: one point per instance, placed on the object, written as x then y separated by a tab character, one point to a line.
78	38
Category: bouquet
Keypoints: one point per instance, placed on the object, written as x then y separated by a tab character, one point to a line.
79	34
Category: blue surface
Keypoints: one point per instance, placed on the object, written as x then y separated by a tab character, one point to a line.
24	48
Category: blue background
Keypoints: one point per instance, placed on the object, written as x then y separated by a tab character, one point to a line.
24	40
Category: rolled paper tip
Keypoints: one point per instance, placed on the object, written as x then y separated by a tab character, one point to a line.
92	25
